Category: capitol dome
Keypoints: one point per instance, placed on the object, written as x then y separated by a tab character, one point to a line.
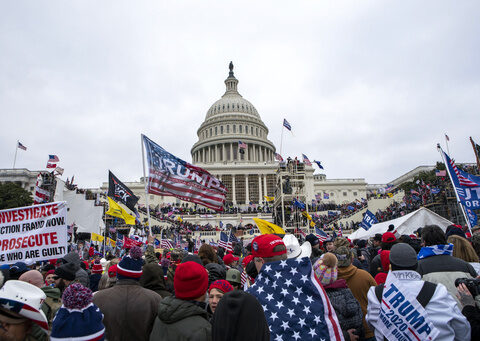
230	121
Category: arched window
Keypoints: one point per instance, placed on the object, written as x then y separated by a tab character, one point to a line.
234	128
215	131
240	129
256	131
228	129
210	132
221	130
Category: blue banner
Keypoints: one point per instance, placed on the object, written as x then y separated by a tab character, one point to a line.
368	220
472	217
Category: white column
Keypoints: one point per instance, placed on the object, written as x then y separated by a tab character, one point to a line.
231	152
234	198
246	154
260	193
265	183
247	197
224	152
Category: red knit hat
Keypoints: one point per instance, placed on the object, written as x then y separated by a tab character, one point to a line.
388	237
380	278
247	260
190	281
221	285
112	271
97	267
229	258
263	245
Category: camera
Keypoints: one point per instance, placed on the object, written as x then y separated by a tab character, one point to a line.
473	285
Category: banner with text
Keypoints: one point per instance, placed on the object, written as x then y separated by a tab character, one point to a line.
35	232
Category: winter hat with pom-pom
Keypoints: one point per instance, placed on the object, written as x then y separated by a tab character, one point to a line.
326	269
130	267
385	260
78	318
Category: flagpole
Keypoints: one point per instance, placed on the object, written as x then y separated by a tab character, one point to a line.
104	230
454	189
446	142
15	158
476	153
281	140
145	181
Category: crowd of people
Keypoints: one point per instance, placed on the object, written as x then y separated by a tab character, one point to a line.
273	288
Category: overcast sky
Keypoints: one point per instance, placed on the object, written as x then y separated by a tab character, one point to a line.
369	87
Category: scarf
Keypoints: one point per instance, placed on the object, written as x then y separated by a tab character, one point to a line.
435	250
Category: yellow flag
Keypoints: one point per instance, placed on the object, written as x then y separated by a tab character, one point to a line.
266	227
390	195
179	219
267	198
312	224
111	242
96	238
306	215
115	210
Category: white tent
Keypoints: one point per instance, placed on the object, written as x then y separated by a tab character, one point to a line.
407	224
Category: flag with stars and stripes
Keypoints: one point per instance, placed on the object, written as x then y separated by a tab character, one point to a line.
225	241
295	304
320	234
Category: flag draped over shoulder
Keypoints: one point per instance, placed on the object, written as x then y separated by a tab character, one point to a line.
267	227
171	176
115	210
295	304
119	192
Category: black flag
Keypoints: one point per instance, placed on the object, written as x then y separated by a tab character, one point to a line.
119	192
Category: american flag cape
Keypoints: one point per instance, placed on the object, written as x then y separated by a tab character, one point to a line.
171	176
296	306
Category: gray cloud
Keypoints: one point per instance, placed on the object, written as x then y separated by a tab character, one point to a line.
369	88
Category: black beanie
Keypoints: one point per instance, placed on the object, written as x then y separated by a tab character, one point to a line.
238	317
312	239
66	271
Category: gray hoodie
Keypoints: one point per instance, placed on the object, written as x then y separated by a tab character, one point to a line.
80	275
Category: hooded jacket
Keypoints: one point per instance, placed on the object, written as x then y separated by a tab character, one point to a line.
80	275
152	278
180	320
52	303
348	309
359	281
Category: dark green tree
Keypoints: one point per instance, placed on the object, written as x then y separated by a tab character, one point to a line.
13	195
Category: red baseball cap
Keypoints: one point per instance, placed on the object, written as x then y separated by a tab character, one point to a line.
263	245
229	258
247	260
388	237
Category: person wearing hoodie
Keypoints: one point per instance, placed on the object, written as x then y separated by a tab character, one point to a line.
358	281
183	316
96	275
80	275
346	307
238	317
152	278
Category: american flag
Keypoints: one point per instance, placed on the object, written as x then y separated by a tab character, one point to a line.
166	244
40	196
322	236
225	242
119	240
340	232
171	176
242	145
440	173
464	179
287	125
278	157
306	160
295	304
243	278
53	158
21	146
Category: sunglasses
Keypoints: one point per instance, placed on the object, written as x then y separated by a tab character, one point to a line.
55	277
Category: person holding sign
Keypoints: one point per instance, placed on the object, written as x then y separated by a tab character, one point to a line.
407	308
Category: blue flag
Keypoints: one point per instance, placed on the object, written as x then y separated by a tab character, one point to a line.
319	164
295	304
298	204
435	190
287	125
368	220
472	216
